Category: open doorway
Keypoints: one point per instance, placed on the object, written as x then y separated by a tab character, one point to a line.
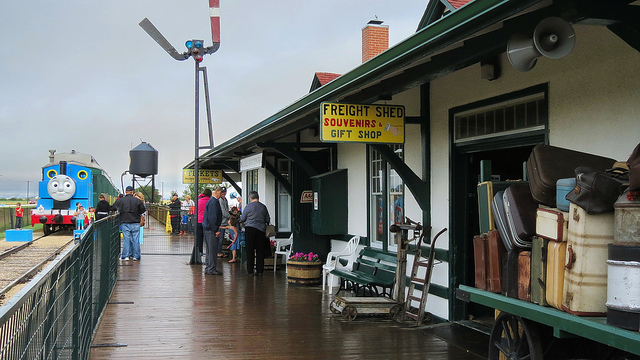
507	163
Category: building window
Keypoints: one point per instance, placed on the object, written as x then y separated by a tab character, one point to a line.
513	116
386	199
252	182
284	198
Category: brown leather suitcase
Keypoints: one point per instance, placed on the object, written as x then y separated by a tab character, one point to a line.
547	164
524	276
495	255
480	261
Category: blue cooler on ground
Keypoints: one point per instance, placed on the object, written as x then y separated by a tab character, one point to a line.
563	187
18	235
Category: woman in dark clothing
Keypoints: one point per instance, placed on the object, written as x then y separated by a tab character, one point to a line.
174	212
102	208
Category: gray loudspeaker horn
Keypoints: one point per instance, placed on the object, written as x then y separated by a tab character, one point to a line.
553	38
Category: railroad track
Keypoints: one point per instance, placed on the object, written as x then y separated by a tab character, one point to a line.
18	265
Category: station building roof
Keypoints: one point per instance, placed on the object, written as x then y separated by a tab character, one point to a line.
446	41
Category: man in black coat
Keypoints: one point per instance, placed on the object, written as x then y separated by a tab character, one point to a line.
211	226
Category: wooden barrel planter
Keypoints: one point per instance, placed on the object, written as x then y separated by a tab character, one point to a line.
304	272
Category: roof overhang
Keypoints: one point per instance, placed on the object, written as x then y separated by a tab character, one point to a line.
475	32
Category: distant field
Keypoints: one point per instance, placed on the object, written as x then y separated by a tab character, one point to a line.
12	202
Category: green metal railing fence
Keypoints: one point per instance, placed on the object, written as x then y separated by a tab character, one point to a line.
57	313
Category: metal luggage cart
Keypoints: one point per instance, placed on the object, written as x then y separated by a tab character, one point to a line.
351	307
418	313
402	307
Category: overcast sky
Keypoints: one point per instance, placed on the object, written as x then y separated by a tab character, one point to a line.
82	75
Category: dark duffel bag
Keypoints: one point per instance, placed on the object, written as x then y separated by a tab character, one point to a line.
547	164
595	191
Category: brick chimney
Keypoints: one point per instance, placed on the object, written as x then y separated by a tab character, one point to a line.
375	39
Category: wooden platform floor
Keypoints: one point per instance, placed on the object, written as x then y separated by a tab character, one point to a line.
163	308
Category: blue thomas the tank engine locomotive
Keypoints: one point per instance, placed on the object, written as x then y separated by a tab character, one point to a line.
67	180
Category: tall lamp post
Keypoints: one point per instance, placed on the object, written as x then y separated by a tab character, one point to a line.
196	50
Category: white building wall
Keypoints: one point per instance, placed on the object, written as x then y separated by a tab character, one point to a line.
594	106
353	157
267	192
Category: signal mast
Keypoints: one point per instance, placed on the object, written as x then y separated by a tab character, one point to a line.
196	50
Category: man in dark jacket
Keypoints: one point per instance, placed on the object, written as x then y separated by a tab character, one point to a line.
174	213
130	208
211	226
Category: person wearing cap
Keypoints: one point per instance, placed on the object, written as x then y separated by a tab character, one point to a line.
174	212
211	226
224	206
130	209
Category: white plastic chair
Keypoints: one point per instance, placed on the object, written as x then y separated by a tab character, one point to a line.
349	252
282	249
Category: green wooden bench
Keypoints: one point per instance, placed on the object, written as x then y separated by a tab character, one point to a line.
372	269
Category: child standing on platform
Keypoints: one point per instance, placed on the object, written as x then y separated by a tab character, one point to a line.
80	215
234	216
19	215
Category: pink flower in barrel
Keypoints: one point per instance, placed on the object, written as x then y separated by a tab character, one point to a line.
299	256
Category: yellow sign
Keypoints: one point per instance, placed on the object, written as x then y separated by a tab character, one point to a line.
362	123
204	176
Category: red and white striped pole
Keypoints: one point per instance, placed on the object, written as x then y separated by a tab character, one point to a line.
214	13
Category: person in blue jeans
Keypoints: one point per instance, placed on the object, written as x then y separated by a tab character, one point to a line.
130	209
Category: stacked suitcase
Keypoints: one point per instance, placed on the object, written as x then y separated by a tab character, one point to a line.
542	233
488	254
585	278
489	249
552	227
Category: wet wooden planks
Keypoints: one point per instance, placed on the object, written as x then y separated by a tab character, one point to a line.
178	312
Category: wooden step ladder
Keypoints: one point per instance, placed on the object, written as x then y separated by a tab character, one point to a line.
418	313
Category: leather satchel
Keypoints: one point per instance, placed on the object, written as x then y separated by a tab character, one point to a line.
596	192
270	231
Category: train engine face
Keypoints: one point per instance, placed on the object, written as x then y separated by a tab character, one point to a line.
63	186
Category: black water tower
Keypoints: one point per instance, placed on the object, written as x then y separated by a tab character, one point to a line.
143	160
